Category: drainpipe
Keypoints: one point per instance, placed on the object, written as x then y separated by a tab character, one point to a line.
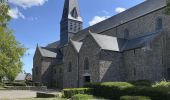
78	69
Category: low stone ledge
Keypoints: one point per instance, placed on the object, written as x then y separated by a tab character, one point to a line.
48	95
25	87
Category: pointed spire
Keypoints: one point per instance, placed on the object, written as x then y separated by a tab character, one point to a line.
71	10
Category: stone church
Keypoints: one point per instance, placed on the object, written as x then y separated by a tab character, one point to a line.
132	45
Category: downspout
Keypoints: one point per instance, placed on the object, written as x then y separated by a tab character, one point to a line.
78	69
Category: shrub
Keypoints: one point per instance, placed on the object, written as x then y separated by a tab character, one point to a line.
141	83
2	85
109	90
82	97
153	93
16	84
114	90
134	98
162	84
68	93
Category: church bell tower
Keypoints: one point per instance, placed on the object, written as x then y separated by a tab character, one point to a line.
71	21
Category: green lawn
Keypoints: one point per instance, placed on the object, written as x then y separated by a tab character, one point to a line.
43	99
1	88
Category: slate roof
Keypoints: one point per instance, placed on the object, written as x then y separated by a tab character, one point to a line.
77	45
108	42
48	52
117	44
128	15
68	7
53	45
140	41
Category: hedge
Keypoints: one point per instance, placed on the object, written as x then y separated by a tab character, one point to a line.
82	97
114	90
153	93
109	90
141	83
15	84
68	93
134	98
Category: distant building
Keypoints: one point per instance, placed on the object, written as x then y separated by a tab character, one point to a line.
24	77
28	77
132	45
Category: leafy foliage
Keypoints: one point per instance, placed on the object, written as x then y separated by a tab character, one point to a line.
162	84
167	10
82	97
134	98
141	83
11	50
114	90
4	17
68	93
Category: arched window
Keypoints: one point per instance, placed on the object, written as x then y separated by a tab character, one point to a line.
74	13
69	67
159	24
86	64
126	33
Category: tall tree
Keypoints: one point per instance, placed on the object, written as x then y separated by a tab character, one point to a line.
11	50
167	10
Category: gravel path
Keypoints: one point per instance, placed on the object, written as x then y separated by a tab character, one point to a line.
16	94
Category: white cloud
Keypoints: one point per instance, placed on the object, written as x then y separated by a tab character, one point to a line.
120	9
105	12
27	3
98	19
15	13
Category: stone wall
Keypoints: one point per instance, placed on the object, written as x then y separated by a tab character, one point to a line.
57	81
70	79
26	88
144	64
37	66
89	50
46	71
43	66
111	66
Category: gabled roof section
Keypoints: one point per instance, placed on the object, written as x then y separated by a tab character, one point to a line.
48	52
108	42
142	9
140	41
71	6
117	44
53	45
77	45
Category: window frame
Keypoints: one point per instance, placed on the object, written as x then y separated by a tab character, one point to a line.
159	24
86	63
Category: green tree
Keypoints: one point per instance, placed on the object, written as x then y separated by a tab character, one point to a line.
167	10
11	50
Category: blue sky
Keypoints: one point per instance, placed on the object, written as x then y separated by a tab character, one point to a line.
38	21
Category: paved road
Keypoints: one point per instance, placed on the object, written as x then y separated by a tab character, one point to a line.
17	94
